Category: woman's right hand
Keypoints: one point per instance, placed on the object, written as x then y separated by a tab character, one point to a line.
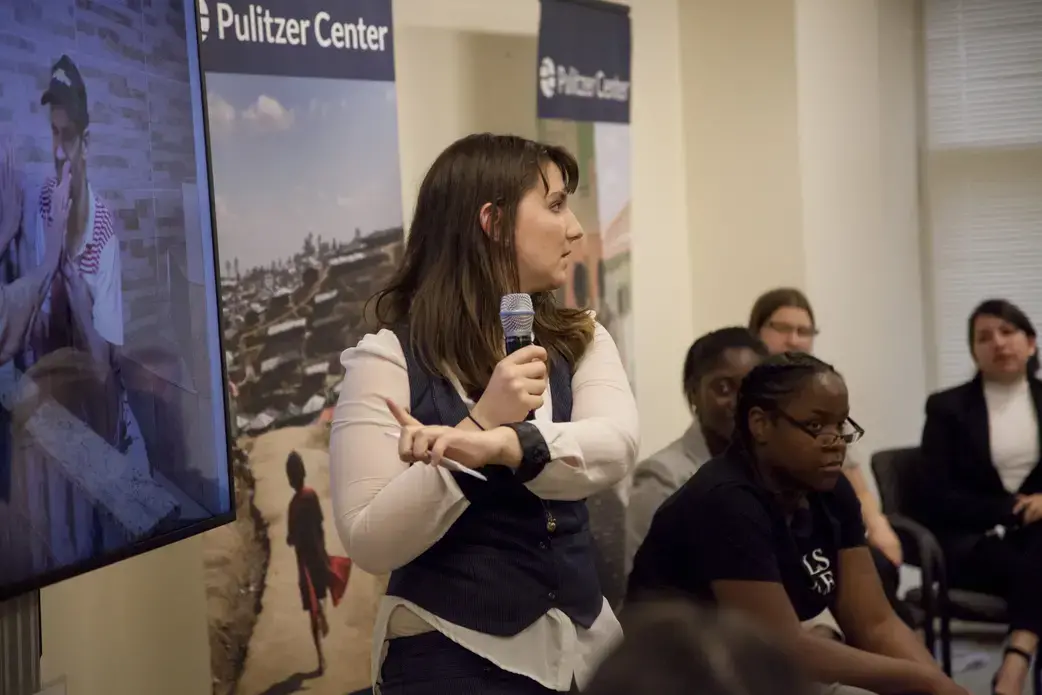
515	389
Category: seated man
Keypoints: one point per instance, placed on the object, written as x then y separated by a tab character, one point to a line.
713	369
773	529
84	308
81	310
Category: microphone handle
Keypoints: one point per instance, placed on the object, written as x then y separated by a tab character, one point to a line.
515	343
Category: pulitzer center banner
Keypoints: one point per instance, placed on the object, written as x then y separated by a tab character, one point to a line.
584	88
304	142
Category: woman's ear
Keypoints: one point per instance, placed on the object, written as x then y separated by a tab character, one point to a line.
485	219
759	423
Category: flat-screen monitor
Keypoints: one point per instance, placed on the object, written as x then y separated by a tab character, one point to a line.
114	432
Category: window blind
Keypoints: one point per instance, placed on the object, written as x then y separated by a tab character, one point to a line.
983	73
983	165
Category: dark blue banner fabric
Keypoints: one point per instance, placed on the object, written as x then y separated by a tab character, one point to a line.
584	61
299	38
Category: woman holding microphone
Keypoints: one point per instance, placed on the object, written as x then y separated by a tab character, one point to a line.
493	588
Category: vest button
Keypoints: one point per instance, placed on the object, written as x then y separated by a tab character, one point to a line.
552	596
542	545
551	525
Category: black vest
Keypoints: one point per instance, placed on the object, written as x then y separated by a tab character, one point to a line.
511	556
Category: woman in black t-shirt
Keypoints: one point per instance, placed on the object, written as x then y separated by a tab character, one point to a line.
773	529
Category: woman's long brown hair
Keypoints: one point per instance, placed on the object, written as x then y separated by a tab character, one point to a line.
452	274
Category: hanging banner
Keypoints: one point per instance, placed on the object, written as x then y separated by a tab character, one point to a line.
583	92
304	141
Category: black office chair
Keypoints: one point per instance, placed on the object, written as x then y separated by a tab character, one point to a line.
897	475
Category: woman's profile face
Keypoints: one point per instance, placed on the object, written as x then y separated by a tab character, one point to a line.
799	439
1000	349
546	234
789	329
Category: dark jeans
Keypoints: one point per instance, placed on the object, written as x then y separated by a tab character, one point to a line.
432	664
1009	567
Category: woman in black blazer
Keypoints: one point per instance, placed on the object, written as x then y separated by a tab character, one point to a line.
983	495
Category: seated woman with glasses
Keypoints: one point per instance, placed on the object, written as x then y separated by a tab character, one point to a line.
982	491
784	320
773	529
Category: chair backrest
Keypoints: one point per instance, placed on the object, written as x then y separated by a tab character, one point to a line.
897	474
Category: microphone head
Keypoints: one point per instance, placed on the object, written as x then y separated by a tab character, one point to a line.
517	315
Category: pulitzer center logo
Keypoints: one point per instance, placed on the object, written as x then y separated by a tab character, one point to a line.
204	20
547	77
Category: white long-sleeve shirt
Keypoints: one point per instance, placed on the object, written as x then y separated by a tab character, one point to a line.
388	512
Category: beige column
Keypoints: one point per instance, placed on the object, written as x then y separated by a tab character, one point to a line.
856	67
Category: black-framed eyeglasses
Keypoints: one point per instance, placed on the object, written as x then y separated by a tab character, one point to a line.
849	431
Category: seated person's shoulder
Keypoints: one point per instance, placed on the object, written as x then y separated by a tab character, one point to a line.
725	471
659	465
842	500
719	525
723	487
104	226
951	400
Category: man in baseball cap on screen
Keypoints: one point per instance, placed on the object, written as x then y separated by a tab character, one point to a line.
67	194
84	308
91	259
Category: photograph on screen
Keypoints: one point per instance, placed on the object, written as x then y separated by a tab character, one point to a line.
113	426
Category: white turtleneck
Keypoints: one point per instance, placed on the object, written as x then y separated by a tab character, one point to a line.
1013	431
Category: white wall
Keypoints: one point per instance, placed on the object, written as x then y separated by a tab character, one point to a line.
454	82
741	154
132	628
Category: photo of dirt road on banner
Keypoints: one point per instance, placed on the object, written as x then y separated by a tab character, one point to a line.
309	227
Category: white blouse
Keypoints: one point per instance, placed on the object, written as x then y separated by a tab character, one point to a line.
1013	431
389	512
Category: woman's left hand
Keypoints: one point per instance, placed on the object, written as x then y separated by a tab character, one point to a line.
432	443
1029	507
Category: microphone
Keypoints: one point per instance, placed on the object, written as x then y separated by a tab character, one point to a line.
517	316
